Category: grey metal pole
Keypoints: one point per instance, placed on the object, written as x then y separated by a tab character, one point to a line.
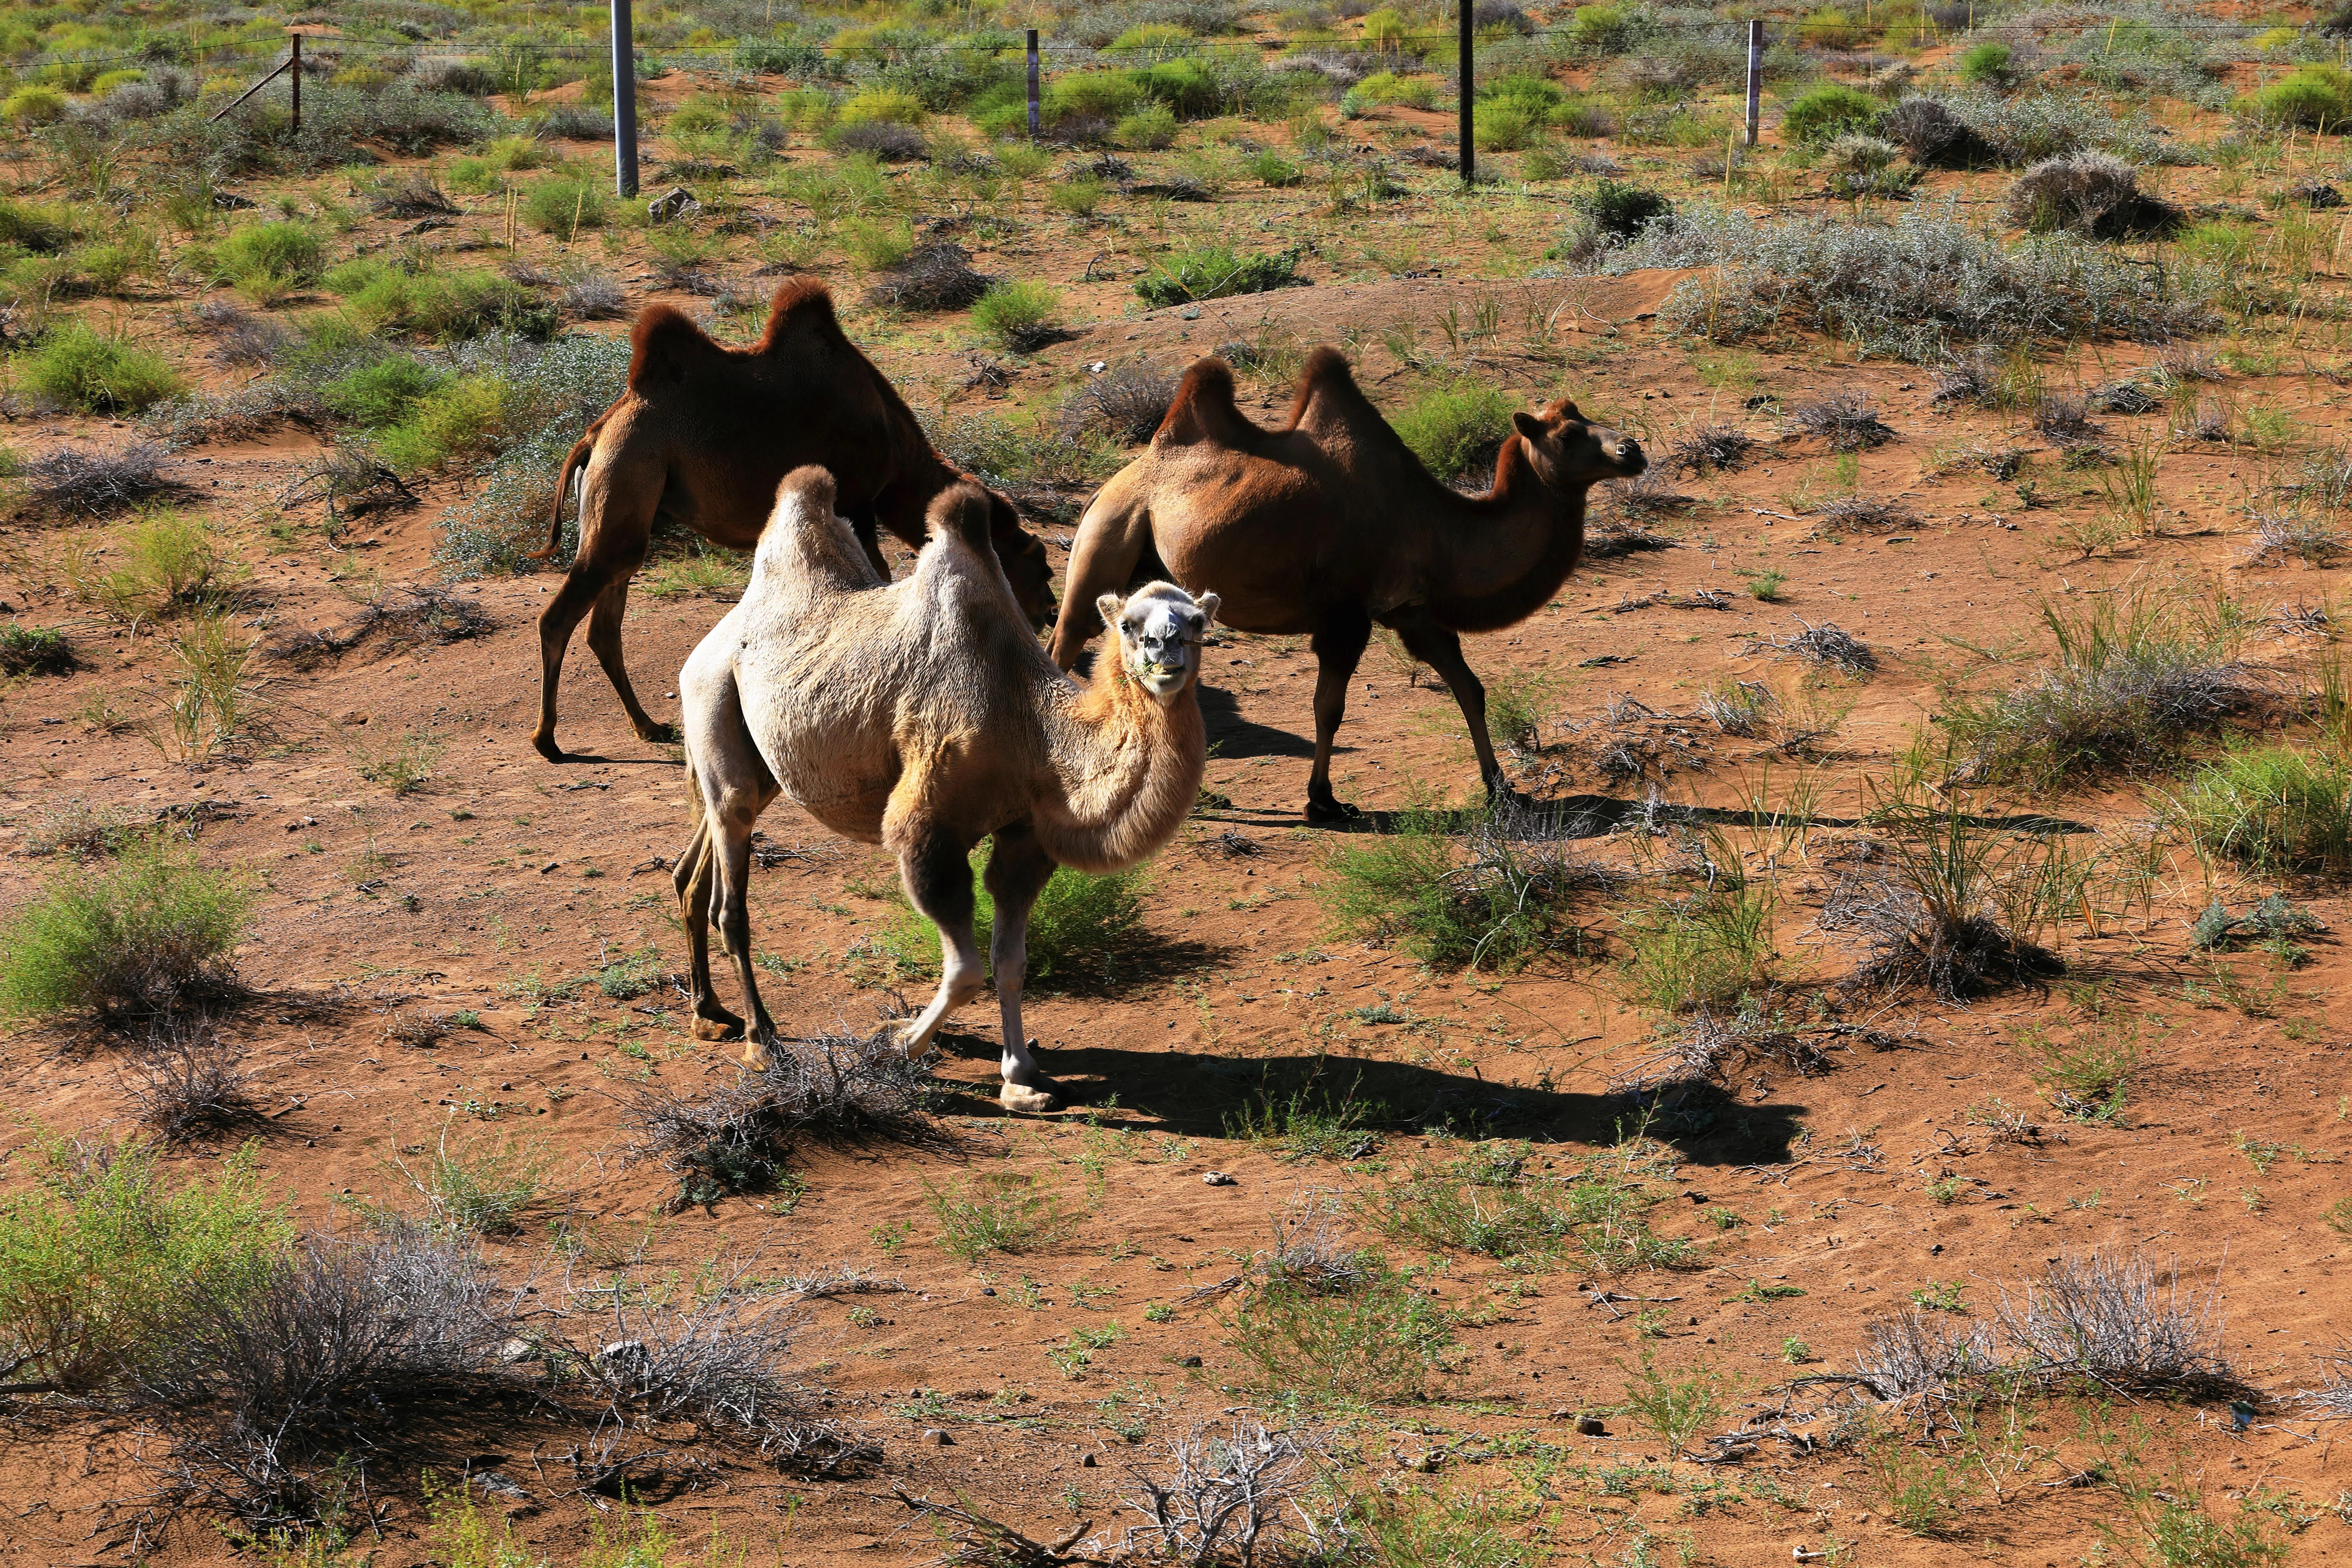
1469	85
1033	84
1755	73
625	100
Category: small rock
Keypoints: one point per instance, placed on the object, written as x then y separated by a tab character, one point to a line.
1590	1426
499	1485
1216	1179
1188	1360
677	202
1087	1463
937	1437
988	1290
549	867
514	1351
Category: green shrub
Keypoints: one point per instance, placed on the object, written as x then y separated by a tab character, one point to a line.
1539	95
1621	212
1012	313
564	207
467	417
127	936
1502	126
292	254
1987	64
998	1212
551	395
470	1184
95	373
882	103
1515	1218
1491	903
1704	952
447	307
1095	94
1453	429
1078	928
34	650
381	393
1828	113
1387	87
1673	1410
1184	85
1214	272
33	105
37	229
1309	1124
1148	130
2274	809
2315	96
1269	167
157	566
1601	30
1376	1344
101	1255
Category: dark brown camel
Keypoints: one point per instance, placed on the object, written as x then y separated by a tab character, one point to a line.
702	437
1331	524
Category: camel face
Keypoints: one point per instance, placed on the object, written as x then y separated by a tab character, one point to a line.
1567	452
1159	631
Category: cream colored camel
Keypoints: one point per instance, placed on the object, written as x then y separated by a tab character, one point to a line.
923	716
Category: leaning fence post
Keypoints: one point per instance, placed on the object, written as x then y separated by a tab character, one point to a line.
1033	84
1468	81
296	77
625	100
1755	73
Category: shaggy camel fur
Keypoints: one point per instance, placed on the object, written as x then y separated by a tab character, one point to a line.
922	715
1330	524
700	439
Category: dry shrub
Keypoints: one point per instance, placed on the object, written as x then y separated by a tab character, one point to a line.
593	297
1931	135
351	477
187	1079
406	616
1233	1493
1863	514
409	194
1954	908
1825	644
2094	193
1717	448
1127	402
2113	1322
240	338
936	277
1913	1353
1845	419
1713	1043
79	482
2066	421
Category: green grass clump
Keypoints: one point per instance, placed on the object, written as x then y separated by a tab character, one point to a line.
2316	97
1091	94
1707	951
446	307
1310	1125
998	1212
1620	211
1828	113
1453	429
125	936
382	394
563	207
1987	65
2276	809
1375	1343
1150	129
463	418
98	373
2089	1074
1489	902
1269	167
1214	272
1078	929
163	565
34	105
1503	126
290	254
98	1256
34	650
37	229
882	103
1013	313
465	1185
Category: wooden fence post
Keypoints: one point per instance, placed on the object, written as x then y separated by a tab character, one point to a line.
1033	84
1755	74
1468	77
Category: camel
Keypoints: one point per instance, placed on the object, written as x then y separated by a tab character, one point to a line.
1330	524
700	439
923	715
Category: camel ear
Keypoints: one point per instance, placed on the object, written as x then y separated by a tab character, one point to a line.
1530	427
1208	603
1107	608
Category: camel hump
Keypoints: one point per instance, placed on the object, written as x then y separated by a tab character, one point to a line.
801	305
963	511
667	346
809	491
1325	374
1203	411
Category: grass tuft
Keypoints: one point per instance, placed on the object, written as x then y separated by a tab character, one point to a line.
125	937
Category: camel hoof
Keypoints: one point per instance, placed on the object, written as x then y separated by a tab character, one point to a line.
718	1026
1028	1099
755	1056
661	734
546	747
1324	813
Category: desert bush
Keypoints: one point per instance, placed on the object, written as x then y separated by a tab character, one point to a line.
2086	1073
1016	314
288	254
1830	112
564	207
80	481
1149	129
383	392
1494	901
187	1080
1912	287
888	141
2276	809
2092	194
1918	1353
2113	1323
439	306
1127	402
592	297
933	277
1234	1493
1004	1210
1214	272
44	231
94	373
125	937
100	1254
463	1185
1846	420
34	650
1375	1344
1610	214
1707	951
161	565
1456	429
1932	135
1308	1123
1674	1409
1078	928
2316	97
1987	65
2138	674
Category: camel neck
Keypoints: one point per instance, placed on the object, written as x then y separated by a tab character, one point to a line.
1129	767
1515	547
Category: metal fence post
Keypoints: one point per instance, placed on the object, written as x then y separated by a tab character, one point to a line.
1033	84
1469	86
625	100
1755	73
297	40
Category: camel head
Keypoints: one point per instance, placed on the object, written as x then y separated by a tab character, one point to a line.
1570	454
1160	627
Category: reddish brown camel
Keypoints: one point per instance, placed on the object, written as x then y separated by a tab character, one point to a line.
1330	524
702	437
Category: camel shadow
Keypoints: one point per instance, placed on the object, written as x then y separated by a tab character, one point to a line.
1349	1110
1598	815
1232	736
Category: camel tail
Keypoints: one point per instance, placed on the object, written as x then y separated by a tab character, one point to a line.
573	461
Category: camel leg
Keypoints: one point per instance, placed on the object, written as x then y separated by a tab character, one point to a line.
730	847
693	878
937	872
619	494
1018	871
1339	648
1442	651
1102	557
731	784
583	587
604	640
863	525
